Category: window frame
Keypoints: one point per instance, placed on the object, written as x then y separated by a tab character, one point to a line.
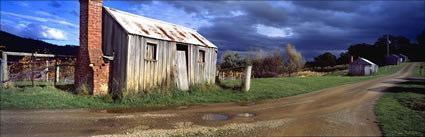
154	43
201	60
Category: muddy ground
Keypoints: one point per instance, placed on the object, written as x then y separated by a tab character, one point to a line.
337	111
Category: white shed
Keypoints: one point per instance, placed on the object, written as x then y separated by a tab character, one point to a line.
362	67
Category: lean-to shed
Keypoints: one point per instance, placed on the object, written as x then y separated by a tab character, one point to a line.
140	53
362	67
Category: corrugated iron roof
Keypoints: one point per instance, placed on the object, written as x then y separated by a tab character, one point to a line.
367	61
139	25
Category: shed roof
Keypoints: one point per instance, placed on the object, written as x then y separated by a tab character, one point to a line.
139	25
393	56
363	61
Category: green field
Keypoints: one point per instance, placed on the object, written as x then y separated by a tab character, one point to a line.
401	110
418	71
264	88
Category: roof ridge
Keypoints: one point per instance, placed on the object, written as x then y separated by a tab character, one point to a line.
155	20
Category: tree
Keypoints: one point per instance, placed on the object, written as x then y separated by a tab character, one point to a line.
344	58
421	39
231	60
370	52
257	64
295	61
326	59
269	65
272	65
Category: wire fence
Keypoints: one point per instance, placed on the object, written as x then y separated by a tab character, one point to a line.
237	73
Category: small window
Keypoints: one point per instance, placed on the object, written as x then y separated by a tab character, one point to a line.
150	53
201	56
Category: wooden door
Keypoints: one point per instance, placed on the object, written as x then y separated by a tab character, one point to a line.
182	79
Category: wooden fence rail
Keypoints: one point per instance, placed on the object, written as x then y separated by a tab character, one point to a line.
5	73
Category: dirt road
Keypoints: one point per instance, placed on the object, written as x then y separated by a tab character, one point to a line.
342	110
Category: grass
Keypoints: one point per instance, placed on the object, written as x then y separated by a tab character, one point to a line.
401	110
265	88
419	70
47	98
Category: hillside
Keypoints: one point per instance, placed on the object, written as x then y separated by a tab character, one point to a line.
19	44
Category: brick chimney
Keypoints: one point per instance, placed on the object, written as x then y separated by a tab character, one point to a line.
91	68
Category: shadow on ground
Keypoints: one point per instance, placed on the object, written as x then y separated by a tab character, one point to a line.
67	87
410	93
414	85
224	86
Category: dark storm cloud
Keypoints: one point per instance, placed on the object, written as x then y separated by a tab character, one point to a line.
206	7
55	4
344	6
317	26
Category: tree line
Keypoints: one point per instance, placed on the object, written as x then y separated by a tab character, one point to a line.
376	52
265	64
270	63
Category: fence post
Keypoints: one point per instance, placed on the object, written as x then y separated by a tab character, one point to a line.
47	70
56	72
32	69
4	68
246	82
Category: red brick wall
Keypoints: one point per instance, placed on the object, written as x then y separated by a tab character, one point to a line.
91	68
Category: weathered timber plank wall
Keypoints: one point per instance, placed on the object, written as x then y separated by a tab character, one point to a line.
144	74
115	43
202	72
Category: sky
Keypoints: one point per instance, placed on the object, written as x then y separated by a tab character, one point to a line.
314	27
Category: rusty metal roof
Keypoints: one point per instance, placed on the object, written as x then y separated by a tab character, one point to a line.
139	25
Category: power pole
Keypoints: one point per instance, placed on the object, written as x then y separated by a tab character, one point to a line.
388	45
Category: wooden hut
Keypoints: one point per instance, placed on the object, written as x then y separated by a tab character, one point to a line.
149	53
139	53
362	67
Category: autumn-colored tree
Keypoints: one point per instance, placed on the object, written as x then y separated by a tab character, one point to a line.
295	61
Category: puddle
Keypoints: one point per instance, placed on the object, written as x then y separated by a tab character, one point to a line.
245	104
135	109
214	116
246	114
141	109
182	107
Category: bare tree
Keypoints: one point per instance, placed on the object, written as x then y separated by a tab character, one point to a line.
295	61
